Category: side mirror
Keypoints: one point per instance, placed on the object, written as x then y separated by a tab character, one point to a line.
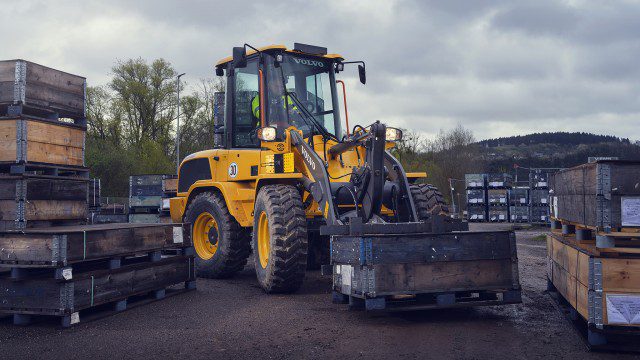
219	71
239	57
363	74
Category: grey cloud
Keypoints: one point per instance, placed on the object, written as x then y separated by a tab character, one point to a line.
497	67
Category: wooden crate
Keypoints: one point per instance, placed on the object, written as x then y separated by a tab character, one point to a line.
30	201
605	291
498	213
24	139
59	246
603	195
29	88
499	197
444	266
68	292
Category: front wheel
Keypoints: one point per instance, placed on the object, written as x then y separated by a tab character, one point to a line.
221	244
428	201
279	239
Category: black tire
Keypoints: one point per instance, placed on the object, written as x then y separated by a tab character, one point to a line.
288	243
428	200
234	242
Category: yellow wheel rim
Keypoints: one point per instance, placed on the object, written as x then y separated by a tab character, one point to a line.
205	236
264	240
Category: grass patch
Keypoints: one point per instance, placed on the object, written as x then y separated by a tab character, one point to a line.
541	237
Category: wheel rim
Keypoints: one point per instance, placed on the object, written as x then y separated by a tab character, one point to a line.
264	240
205	236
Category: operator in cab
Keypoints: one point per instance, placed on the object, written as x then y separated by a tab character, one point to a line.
276	100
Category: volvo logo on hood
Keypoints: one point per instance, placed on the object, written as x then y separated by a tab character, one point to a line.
308	62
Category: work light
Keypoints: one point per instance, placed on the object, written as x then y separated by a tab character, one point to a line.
393	134
267	133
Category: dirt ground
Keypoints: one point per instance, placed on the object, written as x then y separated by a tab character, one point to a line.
235	319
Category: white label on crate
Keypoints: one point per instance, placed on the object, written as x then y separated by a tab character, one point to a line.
67	274
542	184
75	318
523	201
501	217
177	235
630	211
345	275
623	309
503	200
473	201
166	204
543	200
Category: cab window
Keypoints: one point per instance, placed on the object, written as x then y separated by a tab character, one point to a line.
246	106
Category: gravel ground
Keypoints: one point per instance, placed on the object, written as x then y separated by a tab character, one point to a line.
235	319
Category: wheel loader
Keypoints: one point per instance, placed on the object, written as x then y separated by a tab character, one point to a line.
291	183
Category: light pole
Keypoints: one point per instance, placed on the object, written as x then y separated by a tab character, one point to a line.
178	127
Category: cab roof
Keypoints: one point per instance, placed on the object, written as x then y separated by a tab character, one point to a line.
280	47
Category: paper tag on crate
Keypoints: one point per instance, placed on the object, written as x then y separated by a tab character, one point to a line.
630	207
75	318
177	235
67	273
623	309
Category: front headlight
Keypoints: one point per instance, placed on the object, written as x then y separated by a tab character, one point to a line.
393	134
267	133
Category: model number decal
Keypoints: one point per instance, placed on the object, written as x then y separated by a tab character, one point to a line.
233	170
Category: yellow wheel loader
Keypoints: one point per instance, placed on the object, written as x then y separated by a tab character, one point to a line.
291	183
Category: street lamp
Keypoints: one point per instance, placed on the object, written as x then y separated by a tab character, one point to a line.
178	127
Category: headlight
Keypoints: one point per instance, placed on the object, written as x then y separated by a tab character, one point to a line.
267	133
393	134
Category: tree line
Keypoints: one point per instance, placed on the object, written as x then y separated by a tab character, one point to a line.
131	122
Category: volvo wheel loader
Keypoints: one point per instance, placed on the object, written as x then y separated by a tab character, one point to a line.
293	184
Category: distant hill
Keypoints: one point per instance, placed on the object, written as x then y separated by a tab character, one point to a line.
553	150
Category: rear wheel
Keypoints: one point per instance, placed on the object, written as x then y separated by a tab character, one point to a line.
222	245
428	200
279	239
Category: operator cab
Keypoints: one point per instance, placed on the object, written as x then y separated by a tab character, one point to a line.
276	87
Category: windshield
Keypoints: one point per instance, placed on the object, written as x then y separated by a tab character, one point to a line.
307	102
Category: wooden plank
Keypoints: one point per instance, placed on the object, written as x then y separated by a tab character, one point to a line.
582	300
40	188
8	140
422	248
583	269
52	133
620	275
450	276
55	154
40	246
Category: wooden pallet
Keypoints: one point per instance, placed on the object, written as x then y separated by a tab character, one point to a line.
61	246
592	238
598	289
65	292
379	268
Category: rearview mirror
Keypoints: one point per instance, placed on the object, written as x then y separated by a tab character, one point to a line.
239	57
362	73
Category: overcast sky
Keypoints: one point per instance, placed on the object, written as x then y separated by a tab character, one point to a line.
497	67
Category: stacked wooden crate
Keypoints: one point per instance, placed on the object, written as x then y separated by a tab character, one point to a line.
539	196
594	247
498	186
42	137
476	190
75	271
169	190
145	198
519	205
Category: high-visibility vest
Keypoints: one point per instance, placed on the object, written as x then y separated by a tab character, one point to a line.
255	105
